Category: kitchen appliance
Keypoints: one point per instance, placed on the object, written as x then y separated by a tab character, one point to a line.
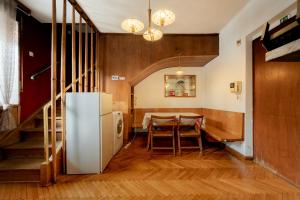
89	127
118	128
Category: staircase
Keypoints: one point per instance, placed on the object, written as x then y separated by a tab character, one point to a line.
21	162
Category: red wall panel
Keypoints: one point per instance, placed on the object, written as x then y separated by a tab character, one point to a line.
35	37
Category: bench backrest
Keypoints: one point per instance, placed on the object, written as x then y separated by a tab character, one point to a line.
231	122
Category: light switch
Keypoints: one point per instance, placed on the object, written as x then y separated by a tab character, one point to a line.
31	54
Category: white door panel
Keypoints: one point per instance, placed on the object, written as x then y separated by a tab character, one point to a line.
105	103
82	133
106	124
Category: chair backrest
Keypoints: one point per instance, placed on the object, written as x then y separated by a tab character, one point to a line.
190	121
163	121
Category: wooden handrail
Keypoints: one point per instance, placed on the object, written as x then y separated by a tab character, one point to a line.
40	72
37	74
46	121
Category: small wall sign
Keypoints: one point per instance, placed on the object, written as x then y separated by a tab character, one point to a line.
114	77
118	78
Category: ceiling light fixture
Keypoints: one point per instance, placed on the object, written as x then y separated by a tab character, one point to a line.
132	25
161	18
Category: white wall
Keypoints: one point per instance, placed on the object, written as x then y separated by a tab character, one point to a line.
234	62
149	93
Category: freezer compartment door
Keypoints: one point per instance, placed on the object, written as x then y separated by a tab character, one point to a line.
82	133
106	139
105	103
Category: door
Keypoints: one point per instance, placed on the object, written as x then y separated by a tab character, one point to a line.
276	114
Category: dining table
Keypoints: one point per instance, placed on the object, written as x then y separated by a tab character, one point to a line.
147	116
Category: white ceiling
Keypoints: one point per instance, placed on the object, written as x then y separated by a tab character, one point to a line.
192	16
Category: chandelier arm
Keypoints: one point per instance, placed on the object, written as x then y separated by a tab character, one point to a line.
149	15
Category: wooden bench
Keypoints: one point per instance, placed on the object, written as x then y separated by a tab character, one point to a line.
220	135
221	126
224	126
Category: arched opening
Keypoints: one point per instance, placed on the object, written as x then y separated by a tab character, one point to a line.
186	61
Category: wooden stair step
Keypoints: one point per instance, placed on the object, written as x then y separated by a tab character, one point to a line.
20	170
38	133
15	164
26	149
41	116
28	144
39	129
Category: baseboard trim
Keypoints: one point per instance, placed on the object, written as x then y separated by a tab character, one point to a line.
237	154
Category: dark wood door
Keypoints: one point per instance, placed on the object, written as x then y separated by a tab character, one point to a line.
277	114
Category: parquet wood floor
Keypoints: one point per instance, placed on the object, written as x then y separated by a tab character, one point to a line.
135	174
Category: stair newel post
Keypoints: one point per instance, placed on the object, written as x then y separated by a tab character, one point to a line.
80	55
63	83
92	60
86	77
73	51
53	88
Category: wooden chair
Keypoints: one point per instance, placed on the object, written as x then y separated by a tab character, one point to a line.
189	127
162	127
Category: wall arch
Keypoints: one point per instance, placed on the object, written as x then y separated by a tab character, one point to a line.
185	61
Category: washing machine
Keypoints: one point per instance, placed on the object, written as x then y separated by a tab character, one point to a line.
118	130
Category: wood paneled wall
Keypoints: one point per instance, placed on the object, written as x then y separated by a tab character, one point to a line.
130	55
277	114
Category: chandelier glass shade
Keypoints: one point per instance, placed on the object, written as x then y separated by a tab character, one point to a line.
152	34
132	25
163	17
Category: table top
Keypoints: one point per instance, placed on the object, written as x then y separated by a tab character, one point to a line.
147	116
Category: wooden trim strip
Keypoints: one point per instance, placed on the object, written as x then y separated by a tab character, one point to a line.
92	61
53	87
237	154
86	78
63	80
97	64
73	52
80	55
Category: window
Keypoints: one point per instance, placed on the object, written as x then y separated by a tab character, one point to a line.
9	55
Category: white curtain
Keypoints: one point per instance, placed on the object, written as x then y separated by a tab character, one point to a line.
9	63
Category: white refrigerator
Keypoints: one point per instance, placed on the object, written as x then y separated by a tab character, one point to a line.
89	132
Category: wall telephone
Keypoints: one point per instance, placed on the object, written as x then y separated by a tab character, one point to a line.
236	87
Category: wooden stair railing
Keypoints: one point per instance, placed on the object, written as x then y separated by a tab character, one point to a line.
92	85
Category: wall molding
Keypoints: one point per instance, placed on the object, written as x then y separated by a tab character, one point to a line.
237	154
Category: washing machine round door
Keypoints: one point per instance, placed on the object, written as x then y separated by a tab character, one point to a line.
120	128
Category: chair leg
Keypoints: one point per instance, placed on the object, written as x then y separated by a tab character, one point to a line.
179	144
200	144
151	143
174	147
148	140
